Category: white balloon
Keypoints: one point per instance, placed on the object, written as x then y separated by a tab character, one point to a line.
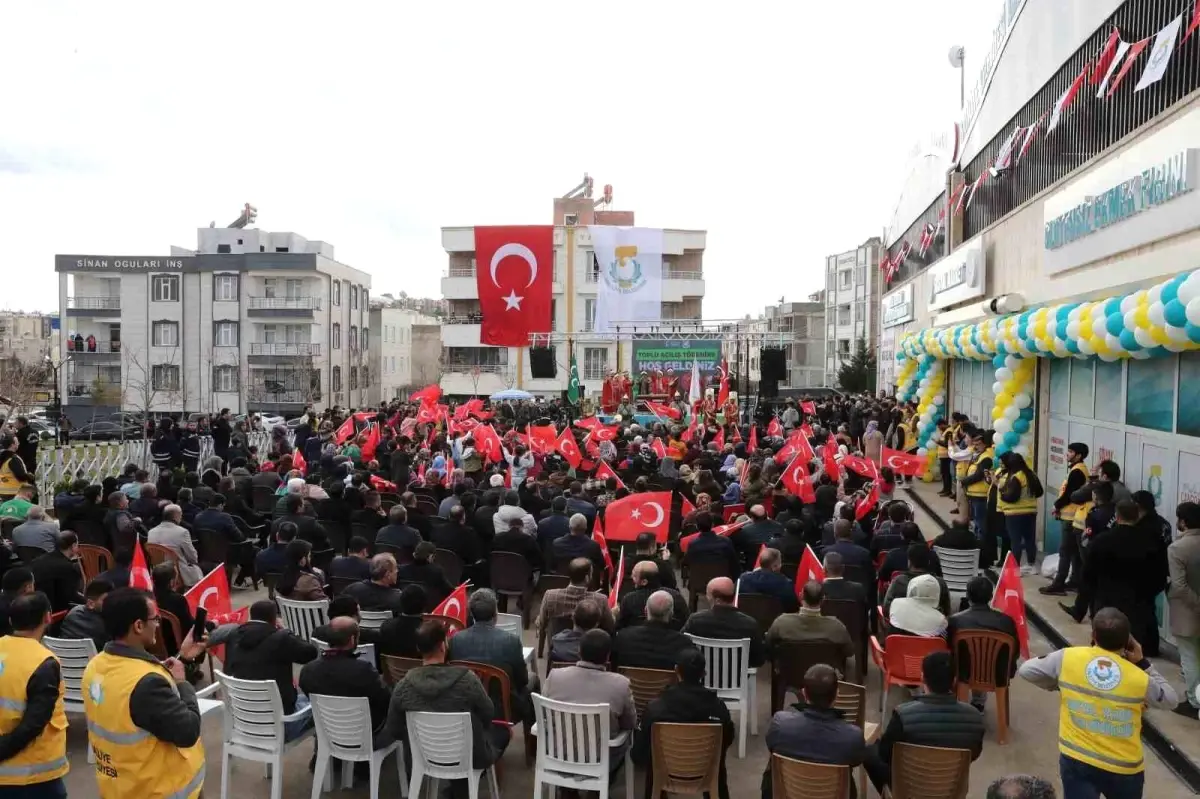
1098	314
1022	400
1108	357
1143	337
1157	313
1113	343
1060	349
1021	450
1004	374
1011	361
1085	346
1141	355
1130	320
922	452
1176	346
1074	314
1193	311
1012	412
1177	334
1073	329
1003	425
1128	303
1154	293
939	399
997	388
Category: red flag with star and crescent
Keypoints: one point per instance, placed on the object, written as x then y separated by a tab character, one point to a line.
902	462
212	594
829	455
649	512
602	542
867	503
345	432
139	573
566	445
774	428
810	568
724	530
615	593
796	480
604	471
719	439
488	443
809	408
863	467
455	605
514	274
1009	599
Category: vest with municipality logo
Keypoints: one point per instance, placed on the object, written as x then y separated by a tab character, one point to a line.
1100	719
45	758
130	762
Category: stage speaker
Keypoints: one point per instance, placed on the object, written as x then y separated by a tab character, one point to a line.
542	363
773	364
768	389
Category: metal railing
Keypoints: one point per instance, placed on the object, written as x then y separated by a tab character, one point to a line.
88	388
259	394
96	348
682	274
285	303
463	319
94	303
469	368
264	348
460	271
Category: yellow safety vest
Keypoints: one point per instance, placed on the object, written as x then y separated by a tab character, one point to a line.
130	762
1081	513
1068	513
1026	504
9	484
1100	717
45	758
907	442
943	449
979	489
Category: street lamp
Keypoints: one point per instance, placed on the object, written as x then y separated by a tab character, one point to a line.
56	366
958	55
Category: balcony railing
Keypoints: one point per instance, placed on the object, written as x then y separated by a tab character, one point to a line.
97	348
259	394
469	271
470	368
88	388
682	274
263	348
463	319
94	303
285	304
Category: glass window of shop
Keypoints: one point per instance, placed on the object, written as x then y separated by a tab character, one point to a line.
971	383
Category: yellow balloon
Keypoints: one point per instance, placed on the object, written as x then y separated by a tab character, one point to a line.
1085	328
1159	334
1142	316
1004	399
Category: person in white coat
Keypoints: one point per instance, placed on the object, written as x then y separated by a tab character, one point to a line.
171	535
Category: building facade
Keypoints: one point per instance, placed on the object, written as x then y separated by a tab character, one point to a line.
852	285
400	360
803	326
470	368
29	344
249	320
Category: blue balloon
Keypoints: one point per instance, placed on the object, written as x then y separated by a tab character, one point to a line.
1026	413
1114	324
1158	352
1175	312
1170	291
998	361
1193	332
1021	426
1061	329
1062	313
1022	330
1012	439
1072	347
1129	341
1113	306
1001	449
1001	348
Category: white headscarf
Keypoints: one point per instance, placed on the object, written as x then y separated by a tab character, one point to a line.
917	613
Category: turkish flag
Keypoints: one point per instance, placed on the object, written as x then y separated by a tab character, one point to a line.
588	423
724	531
796	480
659	448
455	605
686	508
758	560
829	455
686	435
864	467
753	444
809	407
662	409
806	430
542	438
604	433
1009	599
810	569
428	414
514	276
774	428
139	573
345	432
488	443
298	462
384	486
615	593
604	471
867	503
430	394
719	439
602	542
903	463
649	512
212	594
566	445
371	444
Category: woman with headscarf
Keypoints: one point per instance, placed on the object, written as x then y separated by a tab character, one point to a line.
917	612
873	441
1018	501
299	580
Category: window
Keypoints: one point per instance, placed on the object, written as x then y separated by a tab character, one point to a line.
844	279
268	333
164	288
589	316
337	338
292	288
337	378
335	292
366	377
843	315
844	347
225	334
1150	400
595	363
165	334
225	379
223	249
164	377
354	338
364	297
353	304
225	288
366	338
860	276
353	378
269	288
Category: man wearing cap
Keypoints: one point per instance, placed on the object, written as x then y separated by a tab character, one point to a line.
1070	563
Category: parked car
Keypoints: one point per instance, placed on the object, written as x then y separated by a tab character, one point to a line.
45	429
106	431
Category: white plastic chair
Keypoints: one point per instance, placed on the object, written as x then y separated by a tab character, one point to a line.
303	617
343	727
573	747
727	671
254	722
510	622
373	619
362	651
958	567
442	749
73	656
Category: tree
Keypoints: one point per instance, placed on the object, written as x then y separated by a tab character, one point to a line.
24	384
859	373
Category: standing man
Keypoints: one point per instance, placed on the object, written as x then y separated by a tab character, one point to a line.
1070	556
27	444
143	718
221	432
33	723
1183	602
1105	688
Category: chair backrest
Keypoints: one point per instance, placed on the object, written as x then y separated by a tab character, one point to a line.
958	566
442	742
343	724
704	570
904	654
495	684
6	527
167	621
726	663
364	652
929	772
401	554
647	685
89	531
337	533
157	553
795	657
852	701
511	573
321	558
857	574
365	531
687	757
572	738
763	608
373	619
451	563
214	545
263	499
983	658
850	613
269	580
799	779
30	554
73	655
303	617
253	713
395	667
426	506
339	584
510	622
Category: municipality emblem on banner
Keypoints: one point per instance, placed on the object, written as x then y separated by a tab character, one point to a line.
625	273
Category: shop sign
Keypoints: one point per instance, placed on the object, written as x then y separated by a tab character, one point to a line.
116	263
898	306
959	276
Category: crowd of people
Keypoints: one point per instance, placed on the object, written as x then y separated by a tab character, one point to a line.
390	509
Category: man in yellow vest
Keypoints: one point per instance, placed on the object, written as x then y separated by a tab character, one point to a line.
143	718
1104	688
33	723
1070	555
975	483
945	435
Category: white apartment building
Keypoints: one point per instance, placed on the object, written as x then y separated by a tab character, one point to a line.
470	368
801	326
852	292
405	351
249	320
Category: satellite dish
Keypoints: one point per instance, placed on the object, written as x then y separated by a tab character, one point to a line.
956	55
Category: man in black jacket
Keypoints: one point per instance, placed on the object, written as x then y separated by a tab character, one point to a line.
378	593
555	525
766	579
655	644
353	565
221	433
646	549
27	444
632	610
519	542
460	539
707	546
397	533
262	650
749	539
934	718
852	554
87	621
686	702
725	622
340	672
57	573
980	615
578	544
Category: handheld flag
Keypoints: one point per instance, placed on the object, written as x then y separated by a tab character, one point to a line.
725	530
345	432
298	462
719	439
694	393
903	463
615	592
758	560
867	503
863	467
431	393
602	542
774	428
649	512
809	408
139	574
810	569
1009	599
662	410
566	445
371	444
455	605
659	448
753	445
573	384
829	456
604	471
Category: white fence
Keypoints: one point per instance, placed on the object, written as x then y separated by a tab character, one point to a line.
97	460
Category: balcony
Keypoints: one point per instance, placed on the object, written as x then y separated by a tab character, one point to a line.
93	392
475	368
94	306
281	349
302	307
99	352
458	283
260	397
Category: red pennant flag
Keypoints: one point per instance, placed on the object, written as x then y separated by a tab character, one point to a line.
455	605
139	574
345	432
381	485
867	503
1031	133
809	408
298	462
719	438
371	444
566	445
615	593
810	569
1195	23
863	467
774	428
514	281
430	394
758	560
662	410
1009	599
604	471
796	480
903	463
829	455
659	448
1107	53
639	513
1064	101
602	542
488	443
724	530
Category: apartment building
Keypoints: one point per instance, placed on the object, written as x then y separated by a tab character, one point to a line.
28	344
249	320
404	357
852	295
801	326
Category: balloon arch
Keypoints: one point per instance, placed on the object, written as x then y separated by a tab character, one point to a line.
1147	323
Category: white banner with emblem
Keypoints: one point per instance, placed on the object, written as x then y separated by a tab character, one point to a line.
629	282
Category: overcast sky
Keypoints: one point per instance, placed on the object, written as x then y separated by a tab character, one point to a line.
780	128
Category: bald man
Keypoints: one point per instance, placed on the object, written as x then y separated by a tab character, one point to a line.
339	672
646	581
724	621
654	644
754	535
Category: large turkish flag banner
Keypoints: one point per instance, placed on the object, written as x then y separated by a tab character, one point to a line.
514	273
649	512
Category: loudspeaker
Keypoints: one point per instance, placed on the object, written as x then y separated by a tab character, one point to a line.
542	363
768	389
773	364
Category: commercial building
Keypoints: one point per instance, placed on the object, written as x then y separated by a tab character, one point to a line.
249	320
852	286
405	353
471	368
803	326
